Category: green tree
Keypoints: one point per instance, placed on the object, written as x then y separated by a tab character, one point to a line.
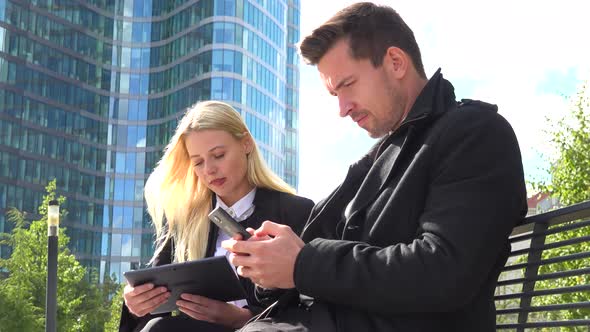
570	169
81	305
570	181
112	325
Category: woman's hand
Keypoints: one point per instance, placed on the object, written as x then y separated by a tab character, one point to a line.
218	312
143	299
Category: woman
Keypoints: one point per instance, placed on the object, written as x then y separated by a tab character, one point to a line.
212	160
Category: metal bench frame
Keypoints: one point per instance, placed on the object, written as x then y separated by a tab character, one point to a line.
536	228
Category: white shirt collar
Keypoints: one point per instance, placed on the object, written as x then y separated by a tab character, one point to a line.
241	208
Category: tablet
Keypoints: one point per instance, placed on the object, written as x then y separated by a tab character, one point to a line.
212	277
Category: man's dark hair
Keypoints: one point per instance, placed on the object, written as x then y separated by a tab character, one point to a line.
370	29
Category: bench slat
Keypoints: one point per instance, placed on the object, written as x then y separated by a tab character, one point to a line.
546	276
561	323
543	292
551	307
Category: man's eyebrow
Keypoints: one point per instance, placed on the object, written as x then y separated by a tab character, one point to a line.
342	82
213	148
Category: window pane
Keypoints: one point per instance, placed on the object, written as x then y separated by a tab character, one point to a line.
115	269
136	55
136	245
217	60
104	249
127	217
116	245
126	245
120	163
141	132
124	87
129	189
134	87
125	266
106	219
130	163
138	190
117	216
216	88
139	164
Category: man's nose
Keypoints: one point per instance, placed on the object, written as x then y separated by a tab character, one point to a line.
345	106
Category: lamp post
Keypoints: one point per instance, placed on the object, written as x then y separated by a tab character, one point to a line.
51	297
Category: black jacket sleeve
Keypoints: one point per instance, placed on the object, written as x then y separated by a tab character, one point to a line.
474	197
130	322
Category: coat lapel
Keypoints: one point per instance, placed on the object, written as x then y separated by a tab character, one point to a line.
327	214
378	175
360	190
386	163
265	204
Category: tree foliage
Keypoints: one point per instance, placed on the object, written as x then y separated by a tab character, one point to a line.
81	305
570	169
570	181
112	325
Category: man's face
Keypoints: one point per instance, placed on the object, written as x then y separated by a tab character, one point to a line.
371	96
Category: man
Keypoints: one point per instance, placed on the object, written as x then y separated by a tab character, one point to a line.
416	235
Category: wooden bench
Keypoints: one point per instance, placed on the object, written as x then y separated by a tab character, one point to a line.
545	286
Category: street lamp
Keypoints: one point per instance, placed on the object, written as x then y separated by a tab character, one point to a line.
51	297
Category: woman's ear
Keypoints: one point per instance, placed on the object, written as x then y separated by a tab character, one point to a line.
248	143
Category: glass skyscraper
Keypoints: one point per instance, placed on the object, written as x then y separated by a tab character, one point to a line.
91	91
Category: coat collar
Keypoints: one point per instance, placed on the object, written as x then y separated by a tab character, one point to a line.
367	176
435	99
437	96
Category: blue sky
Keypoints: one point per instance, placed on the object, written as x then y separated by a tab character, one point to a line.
524	56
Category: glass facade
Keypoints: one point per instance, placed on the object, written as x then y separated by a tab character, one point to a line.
91	91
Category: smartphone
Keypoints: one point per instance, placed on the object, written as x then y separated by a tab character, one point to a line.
228	224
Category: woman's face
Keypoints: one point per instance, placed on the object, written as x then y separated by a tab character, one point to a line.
220	161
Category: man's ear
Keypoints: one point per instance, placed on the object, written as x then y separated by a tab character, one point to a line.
396	62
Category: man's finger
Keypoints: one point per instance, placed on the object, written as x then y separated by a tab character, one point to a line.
244	271
229	244
240	260
271	228
241	247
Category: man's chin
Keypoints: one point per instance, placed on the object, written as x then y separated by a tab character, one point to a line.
374	134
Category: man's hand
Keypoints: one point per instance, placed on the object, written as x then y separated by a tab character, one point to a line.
206	309
268	262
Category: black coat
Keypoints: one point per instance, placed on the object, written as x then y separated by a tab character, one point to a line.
422	242
269	204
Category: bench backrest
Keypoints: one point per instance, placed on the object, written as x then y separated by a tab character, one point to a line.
545	285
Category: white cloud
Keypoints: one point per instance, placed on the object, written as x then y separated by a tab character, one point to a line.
498	51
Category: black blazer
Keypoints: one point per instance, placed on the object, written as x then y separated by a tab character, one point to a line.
269	204
422	242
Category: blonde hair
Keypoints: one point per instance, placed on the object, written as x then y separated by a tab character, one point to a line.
177	201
